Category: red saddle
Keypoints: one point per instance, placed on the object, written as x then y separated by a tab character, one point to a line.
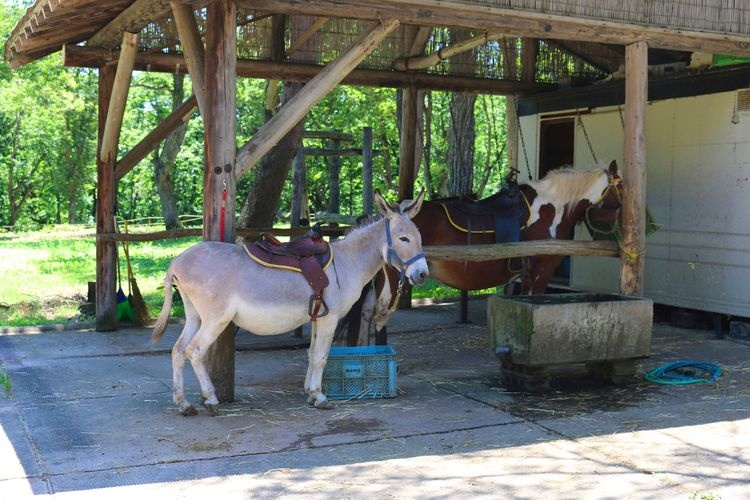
310	256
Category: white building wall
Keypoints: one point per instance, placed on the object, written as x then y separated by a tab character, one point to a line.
698	190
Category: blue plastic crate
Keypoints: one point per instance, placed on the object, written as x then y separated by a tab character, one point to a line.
360	372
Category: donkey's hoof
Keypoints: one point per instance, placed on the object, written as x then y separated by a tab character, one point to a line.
324	405
188	411
212	409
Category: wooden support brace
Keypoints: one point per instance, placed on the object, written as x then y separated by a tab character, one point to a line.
306	35
149	143
192	48
423	62
291	113
120	89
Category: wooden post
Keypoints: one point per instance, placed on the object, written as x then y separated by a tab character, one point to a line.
367	193
106	192
407	167
334	187
219	174
299	186
633	243
529	51
297	107
463	307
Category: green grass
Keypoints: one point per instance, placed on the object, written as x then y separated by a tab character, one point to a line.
5	381
45	274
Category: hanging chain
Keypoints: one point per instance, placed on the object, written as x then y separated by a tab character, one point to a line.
523	142
586	135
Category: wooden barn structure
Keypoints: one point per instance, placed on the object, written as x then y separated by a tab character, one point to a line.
518	47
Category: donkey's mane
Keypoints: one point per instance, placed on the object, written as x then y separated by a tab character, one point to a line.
363	223
567	185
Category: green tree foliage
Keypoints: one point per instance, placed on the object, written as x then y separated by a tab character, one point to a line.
48	124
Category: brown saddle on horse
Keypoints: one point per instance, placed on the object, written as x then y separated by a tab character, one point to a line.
499	214
310	256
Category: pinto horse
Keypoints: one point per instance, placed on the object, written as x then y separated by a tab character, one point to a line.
550	209
220	283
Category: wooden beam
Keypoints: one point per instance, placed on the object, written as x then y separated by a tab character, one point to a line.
291	113
424	62
515	22
149	143
132	19
486	252
323	134
632	262
106	193
336	151
296	44
119	98
219	185
420	40
192	48
75	56
251	233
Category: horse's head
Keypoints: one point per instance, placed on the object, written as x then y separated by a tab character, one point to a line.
403	249
612	195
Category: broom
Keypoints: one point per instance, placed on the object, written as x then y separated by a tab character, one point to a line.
141	316
124	311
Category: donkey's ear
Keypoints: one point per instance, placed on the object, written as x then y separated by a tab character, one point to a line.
383	207
613	169
412	207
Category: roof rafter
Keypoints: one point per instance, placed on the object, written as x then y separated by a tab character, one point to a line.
76	56
516	22
132	19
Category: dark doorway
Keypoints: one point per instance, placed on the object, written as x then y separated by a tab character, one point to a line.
556	147
556	144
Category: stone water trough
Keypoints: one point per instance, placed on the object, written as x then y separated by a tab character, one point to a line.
532	333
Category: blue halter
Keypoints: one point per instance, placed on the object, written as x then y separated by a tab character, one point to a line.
392	255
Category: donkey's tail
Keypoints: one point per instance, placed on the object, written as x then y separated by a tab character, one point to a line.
161	322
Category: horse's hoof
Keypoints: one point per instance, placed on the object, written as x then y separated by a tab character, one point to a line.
212	409
324	405
189	411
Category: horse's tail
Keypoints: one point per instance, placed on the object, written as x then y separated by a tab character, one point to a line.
161	323
349	324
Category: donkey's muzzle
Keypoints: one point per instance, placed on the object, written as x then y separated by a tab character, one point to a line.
418	272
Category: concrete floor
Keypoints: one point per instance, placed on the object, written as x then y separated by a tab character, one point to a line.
90	416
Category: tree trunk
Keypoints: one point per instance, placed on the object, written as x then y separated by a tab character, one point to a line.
164	160
461	144
427	133
262	200
18	189
462	133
